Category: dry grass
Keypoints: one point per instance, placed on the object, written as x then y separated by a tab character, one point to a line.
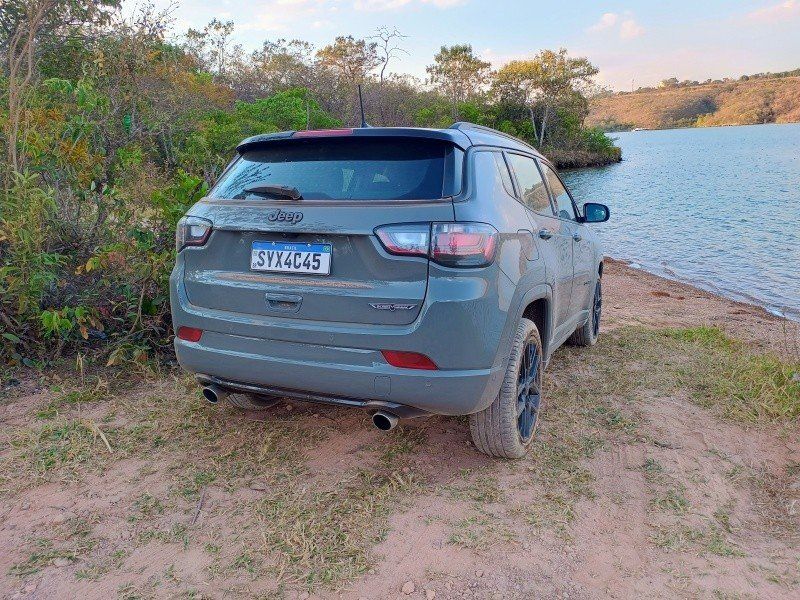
311	530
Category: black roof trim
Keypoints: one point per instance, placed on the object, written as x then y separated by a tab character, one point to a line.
481	135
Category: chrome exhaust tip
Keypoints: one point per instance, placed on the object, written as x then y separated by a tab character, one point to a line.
214	393
384	421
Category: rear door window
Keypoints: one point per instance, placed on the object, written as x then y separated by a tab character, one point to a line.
348	169
561	197
533	191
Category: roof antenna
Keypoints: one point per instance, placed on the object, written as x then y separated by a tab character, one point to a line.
361	104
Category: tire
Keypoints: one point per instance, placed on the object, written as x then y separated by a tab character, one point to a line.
501	430
586	334
252	401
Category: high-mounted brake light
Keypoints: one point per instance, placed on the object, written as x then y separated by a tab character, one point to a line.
409	360
192	231
190	334
322	133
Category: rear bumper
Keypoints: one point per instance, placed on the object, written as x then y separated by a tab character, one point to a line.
354	377
462	327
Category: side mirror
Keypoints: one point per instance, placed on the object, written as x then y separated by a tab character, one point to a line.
595	213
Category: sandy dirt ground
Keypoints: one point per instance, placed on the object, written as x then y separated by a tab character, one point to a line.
633	490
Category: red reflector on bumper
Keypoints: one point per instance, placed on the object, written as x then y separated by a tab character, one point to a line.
409	360
190	334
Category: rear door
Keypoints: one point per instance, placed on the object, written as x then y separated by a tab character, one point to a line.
261	255
582	249
553	235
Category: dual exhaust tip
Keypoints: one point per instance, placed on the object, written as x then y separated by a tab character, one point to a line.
382	420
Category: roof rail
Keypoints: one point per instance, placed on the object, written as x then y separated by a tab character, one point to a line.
461	125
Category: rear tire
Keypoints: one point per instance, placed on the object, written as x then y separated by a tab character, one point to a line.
586	334
252	401
507	427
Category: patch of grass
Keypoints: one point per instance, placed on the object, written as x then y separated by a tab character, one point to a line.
480	532
481	489
676	538
324	536
671	500
716	543
71	398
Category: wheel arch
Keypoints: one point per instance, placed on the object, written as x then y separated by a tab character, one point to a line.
538	308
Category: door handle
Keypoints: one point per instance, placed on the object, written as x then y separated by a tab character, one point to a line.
545	234
577	236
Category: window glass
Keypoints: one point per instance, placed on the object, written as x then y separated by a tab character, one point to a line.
343	169
532	188
563	202
502	169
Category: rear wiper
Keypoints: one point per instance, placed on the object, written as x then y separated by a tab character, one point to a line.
278	191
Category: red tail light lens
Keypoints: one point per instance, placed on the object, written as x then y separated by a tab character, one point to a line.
190	334
408	240
409	360
192	231
463	244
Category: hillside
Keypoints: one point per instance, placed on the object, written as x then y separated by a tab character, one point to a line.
767	100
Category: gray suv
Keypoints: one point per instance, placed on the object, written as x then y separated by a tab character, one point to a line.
403	271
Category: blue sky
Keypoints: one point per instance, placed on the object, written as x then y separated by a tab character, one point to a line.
643	42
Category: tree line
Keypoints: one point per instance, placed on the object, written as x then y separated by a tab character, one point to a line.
110	129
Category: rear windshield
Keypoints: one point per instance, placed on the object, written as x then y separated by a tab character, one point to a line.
348	169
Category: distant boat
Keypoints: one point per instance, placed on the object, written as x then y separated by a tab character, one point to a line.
639	129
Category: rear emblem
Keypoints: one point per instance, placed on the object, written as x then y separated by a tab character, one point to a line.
285	216
388	306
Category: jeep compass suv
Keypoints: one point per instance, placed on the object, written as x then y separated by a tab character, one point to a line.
403	271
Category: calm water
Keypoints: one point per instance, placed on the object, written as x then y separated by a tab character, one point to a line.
719	208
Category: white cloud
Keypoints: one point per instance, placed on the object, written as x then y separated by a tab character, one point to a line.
776	12
381	5
607	21
624	26
630	29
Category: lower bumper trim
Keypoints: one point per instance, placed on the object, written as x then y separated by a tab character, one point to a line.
401	410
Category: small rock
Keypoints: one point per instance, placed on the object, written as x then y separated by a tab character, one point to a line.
479	573
25	506
430	594
449	585
796	377
61	562
289	407
303	596
258	486
30	587
408	588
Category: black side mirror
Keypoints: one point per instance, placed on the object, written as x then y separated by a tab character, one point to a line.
595	213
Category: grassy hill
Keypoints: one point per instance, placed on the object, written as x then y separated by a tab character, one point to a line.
742	102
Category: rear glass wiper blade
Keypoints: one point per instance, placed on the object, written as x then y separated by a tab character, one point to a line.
278	191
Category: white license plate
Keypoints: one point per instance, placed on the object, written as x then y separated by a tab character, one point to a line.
280	257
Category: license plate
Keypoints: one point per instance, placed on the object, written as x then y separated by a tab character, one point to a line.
280	257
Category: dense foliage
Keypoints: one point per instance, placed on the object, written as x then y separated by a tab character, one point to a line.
110	131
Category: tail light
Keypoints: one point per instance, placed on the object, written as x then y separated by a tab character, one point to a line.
449	244
407	240
463	244
409	360
192	231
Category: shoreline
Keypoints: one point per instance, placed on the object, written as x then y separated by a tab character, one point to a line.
730	296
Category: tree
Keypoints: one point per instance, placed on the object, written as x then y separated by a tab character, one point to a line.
352	59
388	48
546	79
458	73
210	47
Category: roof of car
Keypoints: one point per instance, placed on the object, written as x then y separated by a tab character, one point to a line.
462	134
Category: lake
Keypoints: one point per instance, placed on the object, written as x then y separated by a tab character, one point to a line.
716	207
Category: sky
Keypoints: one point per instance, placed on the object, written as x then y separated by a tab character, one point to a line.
632	43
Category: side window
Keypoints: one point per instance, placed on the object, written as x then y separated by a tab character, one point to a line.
561	198
532	189
502	168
